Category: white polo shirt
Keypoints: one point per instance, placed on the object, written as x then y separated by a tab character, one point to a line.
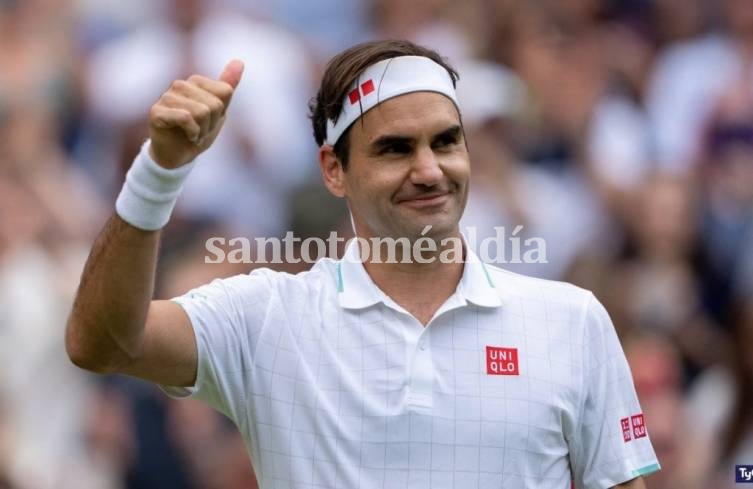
515	382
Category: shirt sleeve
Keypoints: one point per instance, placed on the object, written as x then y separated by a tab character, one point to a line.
227	316
610	444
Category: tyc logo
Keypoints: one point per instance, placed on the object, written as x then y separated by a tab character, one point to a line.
744	474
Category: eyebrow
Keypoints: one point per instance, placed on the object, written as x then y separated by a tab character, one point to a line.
388	140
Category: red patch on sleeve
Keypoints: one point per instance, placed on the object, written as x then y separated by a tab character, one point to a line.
639	427
626	433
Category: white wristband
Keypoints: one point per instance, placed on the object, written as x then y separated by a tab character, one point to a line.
150	191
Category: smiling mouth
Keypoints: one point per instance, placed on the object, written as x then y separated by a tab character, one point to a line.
427	200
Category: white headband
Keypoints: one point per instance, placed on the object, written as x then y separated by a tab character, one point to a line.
386	79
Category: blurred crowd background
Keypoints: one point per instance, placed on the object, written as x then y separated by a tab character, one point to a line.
620	131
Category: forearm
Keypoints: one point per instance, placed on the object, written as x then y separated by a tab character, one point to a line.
107	321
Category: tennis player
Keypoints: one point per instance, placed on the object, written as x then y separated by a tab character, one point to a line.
360	373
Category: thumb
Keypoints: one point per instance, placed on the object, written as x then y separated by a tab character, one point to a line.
232	73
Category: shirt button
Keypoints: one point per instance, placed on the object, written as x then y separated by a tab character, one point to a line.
422	346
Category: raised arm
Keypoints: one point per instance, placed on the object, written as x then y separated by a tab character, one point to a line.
114	325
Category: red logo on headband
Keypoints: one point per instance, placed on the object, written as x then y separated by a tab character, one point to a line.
366	88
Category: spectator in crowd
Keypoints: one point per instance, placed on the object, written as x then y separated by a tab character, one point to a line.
690	78
250	168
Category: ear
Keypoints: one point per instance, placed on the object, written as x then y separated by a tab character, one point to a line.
332	171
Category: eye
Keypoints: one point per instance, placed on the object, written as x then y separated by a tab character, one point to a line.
445	141
396	148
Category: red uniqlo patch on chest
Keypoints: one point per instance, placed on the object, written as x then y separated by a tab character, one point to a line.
626	433
502	361
639	427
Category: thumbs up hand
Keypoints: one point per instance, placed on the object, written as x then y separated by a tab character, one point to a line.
187	118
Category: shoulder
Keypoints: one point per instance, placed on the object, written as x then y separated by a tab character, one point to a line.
320	279
526	288
265	284
556	303
323	275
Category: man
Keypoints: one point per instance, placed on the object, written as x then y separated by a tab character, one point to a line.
365	373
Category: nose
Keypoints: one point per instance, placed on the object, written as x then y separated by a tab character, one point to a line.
426	169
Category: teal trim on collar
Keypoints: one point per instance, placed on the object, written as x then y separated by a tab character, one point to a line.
361	291
488	277
648	469
476	284
340	286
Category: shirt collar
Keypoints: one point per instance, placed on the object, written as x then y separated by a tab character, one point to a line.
476	284
356	290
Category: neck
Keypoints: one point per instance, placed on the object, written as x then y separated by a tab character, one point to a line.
424	283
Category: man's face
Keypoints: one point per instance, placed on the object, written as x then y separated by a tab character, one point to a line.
408	168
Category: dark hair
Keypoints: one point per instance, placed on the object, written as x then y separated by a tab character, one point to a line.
342	71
